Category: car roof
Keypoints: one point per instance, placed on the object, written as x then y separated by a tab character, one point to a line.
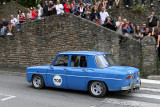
94	53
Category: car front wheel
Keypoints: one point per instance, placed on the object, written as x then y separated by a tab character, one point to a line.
97	89
38	82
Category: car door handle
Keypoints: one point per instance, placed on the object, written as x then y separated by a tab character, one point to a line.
65	69
84	70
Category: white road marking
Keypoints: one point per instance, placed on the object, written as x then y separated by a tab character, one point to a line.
7	97
150	89
150	81
4	99
157	97
129	103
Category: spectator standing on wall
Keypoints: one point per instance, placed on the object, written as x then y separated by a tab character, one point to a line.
4	26
117	3
155	33
29	14
119	24
81	11
51	8
80	1
73	7
104	3
109	23
40	11
153	21
137	33
158	46
143	2
13	22
98	5
87	13
59	7
110	3
126	3
126	27
34	14
103	15
67	7
143	27
95	16
146	33
45	8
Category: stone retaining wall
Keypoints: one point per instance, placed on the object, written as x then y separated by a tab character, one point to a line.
39	42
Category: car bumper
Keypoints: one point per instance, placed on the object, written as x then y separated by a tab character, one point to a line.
132	86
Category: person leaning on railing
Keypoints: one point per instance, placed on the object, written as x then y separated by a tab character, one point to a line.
158	46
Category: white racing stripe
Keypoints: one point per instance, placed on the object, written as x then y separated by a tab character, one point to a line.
150	81
150	89
129	103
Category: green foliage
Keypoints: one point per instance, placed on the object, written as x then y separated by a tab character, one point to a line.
30	3
139	8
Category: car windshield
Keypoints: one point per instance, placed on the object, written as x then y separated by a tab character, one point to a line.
105	60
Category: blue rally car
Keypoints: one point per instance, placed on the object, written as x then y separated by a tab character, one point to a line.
96	72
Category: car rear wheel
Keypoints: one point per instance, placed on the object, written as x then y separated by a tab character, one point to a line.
97	89
37	81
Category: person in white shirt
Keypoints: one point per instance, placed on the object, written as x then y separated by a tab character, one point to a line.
29	14
119	24
40	11
19	13
13	22
59	7
103	15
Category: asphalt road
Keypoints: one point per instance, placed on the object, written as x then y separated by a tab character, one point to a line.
16	92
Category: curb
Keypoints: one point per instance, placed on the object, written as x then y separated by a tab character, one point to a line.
22	74
154	77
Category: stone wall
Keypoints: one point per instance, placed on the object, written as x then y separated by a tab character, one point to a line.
130	52
37	43
135	17
148	59
10	8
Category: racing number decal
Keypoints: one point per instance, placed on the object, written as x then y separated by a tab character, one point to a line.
57	80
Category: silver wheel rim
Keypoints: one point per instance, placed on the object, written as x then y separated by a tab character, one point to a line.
37	81
96	88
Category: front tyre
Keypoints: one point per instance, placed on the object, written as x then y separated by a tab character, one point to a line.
37	81
97	89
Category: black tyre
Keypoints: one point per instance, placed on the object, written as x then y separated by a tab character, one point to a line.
97	89
37	81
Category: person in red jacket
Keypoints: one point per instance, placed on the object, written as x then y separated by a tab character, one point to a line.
67	7
34	14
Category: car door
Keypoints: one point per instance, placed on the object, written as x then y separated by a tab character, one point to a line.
56	76
76	73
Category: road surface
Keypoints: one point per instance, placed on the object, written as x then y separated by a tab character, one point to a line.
16	92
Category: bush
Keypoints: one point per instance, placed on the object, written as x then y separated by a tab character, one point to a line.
139	8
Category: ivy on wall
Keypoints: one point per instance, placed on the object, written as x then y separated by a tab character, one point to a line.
25	3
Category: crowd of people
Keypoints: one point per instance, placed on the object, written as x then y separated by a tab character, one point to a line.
96	13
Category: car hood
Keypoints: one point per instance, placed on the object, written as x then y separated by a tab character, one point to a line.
39	67
124	69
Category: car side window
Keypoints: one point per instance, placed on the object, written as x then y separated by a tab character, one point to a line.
62	60
78	61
